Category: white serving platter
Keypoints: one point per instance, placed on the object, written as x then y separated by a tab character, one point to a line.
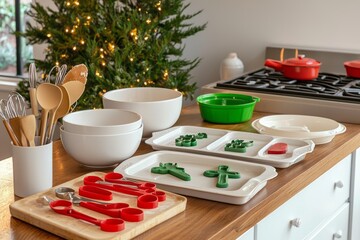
216	140
300	131
253	176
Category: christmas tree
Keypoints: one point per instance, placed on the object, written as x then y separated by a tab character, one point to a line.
126	43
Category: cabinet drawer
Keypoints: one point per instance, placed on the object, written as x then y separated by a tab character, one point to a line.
336	228
304	212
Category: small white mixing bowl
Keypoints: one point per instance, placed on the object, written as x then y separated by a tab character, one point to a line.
101	150
101	121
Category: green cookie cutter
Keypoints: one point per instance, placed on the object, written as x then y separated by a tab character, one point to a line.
223	174
238	145
189	140
172	169
201	136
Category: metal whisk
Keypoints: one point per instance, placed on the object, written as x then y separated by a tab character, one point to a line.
33	80
16	105
61	74
32	76
5	115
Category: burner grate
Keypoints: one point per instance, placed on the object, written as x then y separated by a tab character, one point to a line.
327	86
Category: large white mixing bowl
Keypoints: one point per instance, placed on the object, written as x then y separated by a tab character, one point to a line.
159	107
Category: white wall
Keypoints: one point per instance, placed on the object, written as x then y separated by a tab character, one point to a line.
248	26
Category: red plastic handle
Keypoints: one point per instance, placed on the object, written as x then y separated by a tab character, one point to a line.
64	207
112	212
114	177
116	210
93	192
275	64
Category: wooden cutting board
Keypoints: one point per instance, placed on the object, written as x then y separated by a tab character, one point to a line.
33	211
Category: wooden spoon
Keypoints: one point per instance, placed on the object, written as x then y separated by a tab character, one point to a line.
49	97
28	128
62	110
75	89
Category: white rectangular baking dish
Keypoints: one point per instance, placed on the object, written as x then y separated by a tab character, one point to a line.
253	176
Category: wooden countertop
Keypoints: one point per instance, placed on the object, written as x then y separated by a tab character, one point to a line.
202	219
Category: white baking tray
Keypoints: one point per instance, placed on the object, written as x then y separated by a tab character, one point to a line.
253	176
217	139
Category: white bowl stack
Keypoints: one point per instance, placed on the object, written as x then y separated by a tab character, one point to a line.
101	137
318	129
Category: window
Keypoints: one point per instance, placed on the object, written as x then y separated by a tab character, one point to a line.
14	53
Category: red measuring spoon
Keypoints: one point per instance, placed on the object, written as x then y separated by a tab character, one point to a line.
95	193
64	207
116	210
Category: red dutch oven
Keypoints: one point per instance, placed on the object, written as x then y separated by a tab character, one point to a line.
352	68
298	68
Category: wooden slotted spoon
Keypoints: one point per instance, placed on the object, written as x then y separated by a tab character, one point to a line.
49	97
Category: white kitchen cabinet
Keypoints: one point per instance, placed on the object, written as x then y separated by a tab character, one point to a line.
336	228
311	208
248	235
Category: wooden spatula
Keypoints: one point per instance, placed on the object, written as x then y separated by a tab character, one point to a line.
15	125
28	128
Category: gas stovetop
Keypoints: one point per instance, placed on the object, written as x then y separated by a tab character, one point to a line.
331	95
328	86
